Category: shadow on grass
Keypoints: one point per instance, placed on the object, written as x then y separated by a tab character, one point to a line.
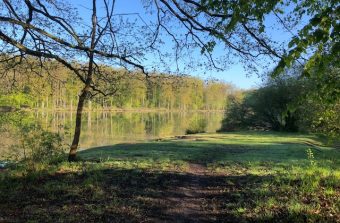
117	195
100	193
204	152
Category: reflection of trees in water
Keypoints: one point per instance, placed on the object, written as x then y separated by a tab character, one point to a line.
148	125
101	128
154	123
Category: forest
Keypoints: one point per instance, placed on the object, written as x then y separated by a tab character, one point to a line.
57	89
112	112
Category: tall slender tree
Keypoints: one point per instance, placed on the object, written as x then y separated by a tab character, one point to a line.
52	30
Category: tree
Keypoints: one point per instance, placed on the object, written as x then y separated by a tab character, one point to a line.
313	45
51	30
317	43
238	114
288	102
238	25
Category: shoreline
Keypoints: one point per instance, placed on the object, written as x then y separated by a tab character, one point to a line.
121	110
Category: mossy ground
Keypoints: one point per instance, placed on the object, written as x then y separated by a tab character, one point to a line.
222	177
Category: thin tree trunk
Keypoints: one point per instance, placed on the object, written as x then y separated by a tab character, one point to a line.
86	90
76	137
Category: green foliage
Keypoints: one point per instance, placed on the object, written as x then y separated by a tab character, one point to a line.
320	102
321	33
197	125
59	90
41	146
31	143
271	104
265	108
320	117
16	100
238	114
290	103
317	38
310	156
240	12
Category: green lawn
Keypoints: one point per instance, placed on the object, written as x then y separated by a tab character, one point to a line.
220	177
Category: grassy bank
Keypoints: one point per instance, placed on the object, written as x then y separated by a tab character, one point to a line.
236	177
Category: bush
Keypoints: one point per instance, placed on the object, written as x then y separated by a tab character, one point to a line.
16	100
42	146
238	116
31	144
197	126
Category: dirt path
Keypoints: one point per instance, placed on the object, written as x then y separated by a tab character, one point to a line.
191	204
191	200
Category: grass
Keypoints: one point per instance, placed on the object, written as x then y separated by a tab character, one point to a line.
227	177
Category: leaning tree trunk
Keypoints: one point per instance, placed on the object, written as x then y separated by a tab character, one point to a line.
75	142
86	90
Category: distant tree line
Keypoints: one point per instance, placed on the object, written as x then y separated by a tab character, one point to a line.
57	89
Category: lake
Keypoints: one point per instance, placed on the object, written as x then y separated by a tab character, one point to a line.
106	128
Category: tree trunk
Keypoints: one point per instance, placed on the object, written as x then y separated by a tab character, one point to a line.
75	142
85	91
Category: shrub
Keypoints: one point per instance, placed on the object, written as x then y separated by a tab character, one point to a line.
42	146
31	144
197	126
237	116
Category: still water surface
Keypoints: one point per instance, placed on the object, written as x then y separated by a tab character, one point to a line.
105	128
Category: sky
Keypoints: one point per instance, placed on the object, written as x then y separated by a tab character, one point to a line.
234	74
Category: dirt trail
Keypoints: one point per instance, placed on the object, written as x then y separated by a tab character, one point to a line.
189	202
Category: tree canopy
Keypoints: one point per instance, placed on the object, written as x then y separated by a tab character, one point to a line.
313	44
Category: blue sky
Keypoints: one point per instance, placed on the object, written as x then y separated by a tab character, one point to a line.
234	73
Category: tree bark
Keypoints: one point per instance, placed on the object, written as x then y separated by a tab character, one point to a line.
76	137
86	90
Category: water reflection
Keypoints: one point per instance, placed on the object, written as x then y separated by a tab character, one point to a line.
105	128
